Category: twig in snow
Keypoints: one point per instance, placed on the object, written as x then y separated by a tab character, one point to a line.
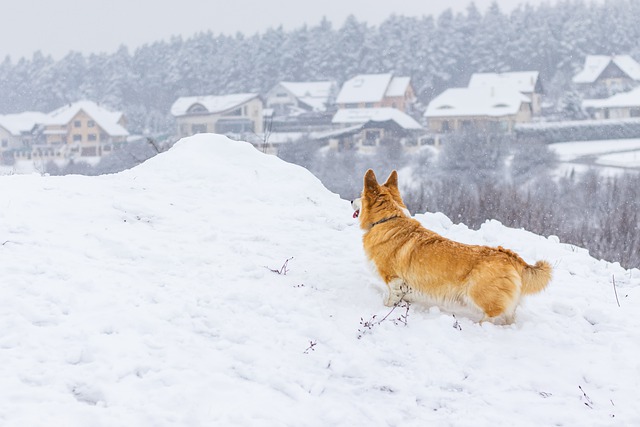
312	344
614	289
456	324
284	269
589	402
367	325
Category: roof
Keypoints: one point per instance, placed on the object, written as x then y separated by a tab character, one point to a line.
371	88
211	103
620	100
594	65
22	122
522	81
365	115
398	86
478	101
105	119
314	94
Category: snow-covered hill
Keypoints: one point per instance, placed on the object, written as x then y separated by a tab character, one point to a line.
146	298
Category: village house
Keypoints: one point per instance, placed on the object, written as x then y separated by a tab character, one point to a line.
80	129
83	129
365	129
619	106
485	108
526	82
225	114
376	91
288	98
17	130
606	75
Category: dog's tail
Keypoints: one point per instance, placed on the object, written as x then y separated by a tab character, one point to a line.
536	277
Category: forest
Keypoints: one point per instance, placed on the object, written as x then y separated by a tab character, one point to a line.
467	181
436	52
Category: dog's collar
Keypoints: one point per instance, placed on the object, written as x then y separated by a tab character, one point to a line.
384	220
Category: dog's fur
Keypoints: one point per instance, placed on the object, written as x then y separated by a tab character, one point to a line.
411	258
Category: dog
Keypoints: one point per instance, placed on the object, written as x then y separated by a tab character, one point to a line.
413	261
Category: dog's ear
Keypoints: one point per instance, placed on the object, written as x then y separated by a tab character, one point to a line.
392	181
370	182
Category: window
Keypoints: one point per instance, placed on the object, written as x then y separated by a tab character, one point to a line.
281	95
91	123
5	143
92	137
445	126
635	112
77	138
368	105
103	136
77	124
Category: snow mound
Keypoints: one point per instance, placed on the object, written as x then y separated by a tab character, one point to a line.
215	285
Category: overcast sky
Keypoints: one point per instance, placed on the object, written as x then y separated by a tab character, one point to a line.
56	27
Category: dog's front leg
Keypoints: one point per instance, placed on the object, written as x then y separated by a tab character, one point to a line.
397	290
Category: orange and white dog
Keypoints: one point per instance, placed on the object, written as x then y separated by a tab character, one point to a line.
413	260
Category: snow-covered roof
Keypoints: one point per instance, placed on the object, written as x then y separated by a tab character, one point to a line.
523	81
105	119
478	101
371	88
398	86
22	122
594	65
364	115
211	103
314	94
619	100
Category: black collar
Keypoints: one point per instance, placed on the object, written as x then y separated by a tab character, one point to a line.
385	220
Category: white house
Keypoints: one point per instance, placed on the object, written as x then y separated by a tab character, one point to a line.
290	97
375	91
17	130
225	114
619	106
525	82
489	108
613	73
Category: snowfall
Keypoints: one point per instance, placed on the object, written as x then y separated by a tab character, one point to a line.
215	285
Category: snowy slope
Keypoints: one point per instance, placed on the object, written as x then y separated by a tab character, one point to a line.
146	298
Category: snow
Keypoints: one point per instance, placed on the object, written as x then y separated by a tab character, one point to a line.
211	103
314	94
594	65
522	81
364	115
619	100
18	123
364	88
146	298
476	101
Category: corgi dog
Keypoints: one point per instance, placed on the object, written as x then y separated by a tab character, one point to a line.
412	260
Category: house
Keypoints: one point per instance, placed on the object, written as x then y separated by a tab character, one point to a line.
367	128
376	91
16	130
619	106
226	114
80	129
608	74
483	108
525	82
288	98
83	129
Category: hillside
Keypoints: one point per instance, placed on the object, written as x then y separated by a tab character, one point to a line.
146	298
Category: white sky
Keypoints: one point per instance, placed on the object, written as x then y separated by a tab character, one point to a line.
56	27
